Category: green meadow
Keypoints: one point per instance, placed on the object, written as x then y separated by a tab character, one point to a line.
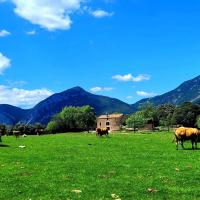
124	166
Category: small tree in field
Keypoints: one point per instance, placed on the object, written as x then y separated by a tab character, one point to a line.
136	120
149	112
52	127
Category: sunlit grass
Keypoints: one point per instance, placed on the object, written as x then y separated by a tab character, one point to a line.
83	166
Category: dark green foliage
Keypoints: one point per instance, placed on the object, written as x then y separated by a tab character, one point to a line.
150	113
38	126
165	113
198	122
2	129
186	114
147	114
136	120
53	127
73	119
27	129
24	128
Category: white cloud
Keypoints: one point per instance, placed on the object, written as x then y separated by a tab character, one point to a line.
4	33
33	32
141	77
129	77
146	94
48	14
129	97
101	13
21	97
4	63
101	89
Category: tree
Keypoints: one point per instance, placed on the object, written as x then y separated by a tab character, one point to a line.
53	127
136	120
73	119
88	118
2	131
198	122
149	112
165	113
186	114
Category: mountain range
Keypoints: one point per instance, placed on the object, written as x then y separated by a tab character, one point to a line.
188	91
43	111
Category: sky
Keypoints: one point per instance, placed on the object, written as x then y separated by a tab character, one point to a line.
126	49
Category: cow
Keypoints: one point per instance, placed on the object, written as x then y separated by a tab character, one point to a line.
182	134
100	132
16	133
39	131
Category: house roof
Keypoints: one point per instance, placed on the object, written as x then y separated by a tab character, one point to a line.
110	116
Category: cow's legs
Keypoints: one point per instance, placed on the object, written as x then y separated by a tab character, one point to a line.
193	144
177	145
182	144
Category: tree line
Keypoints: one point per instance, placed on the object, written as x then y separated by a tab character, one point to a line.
75	119
187	114
28	129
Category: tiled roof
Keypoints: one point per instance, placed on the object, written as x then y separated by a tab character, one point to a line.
110	116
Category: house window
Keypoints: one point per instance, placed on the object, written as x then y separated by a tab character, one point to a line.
100	124
107	123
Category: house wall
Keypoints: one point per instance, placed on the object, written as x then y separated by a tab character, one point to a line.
112	124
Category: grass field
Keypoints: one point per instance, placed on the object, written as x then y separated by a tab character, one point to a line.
51	167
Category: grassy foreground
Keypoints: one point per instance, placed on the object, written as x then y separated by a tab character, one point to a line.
82	166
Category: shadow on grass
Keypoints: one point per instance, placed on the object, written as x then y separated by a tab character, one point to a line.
190	149
4	145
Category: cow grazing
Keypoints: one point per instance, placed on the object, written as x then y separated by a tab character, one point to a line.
100	132
16	133
39	131
182	134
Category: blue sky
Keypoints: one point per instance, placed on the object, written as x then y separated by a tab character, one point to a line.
127	49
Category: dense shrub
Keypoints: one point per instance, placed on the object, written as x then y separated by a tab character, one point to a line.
186	114
73	119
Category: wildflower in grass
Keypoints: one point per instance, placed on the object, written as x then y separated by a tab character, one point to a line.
151	190
76	191
116	197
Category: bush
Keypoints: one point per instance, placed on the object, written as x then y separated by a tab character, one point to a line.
73	119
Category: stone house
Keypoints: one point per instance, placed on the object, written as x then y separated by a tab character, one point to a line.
113	121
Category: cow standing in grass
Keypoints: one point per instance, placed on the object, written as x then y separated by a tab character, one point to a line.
182	134
100	132
39	131
17	134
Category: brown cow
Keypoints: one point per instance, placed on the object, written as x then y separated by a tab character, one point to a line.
39	131
182	134
16	133
100	132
